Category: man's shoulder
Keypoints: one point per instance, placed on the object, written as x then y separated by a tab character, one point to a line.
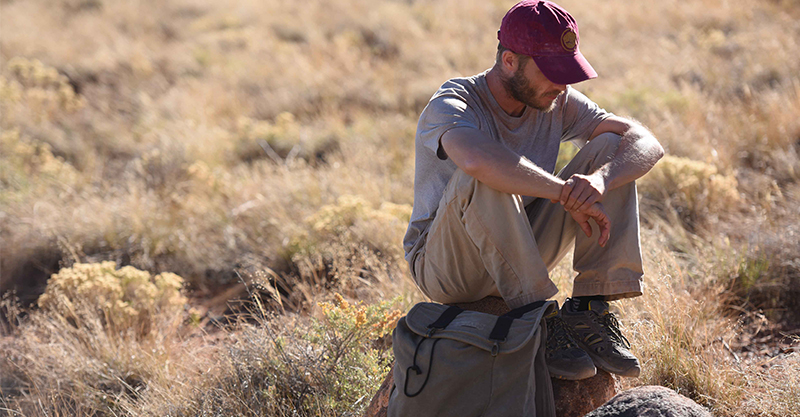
573	96
460	86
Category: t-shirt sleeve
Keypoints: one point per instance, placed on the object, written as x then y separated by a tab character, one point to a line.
445	111
581	117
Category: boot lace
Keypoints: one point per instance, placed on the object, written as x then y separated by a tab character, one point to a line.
610	322
559	334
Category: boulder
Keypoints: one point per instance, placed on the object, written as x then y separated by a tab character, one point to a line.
576	398
650	400
573	398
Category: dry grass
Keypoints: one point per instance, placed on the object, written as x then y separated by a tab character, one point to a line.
272	141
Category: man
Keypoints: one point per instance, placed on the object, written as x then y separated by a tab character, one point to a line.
490	218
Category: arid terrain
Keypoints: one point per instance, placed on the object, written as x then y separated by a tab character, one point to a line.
221	189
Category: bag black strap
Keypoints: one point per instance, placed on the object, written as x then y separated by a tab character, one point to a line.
503	324
446	318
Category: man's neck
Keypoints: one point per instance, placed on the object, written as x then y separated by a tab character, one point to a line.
511	106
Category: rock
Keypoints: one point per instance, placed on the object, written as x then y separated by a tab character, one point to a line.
489	305
573	398
576	398
380	402
650	401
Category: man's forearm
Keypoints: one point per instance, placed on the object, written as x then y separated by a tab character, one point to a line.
497	166
524	178
506	171
638	152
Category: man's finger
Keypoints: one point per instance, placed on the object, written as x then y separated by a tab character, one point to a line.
586	227
582	198
572	201
591	199
604	223
565	191
605	234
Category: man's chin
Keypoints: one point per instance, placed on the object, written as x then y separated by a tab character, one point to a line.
546	107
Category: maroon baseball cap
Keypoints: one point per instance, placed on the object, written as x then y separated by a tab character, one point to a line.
548	34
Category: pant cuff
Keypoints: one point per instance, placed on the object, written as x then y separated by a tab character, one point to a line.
612	290
532	297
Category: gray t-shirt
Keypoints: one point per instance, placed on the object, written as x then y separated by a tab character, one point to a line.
467	102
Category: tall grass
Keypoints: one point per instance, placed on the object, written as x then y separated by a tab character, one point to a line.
270	143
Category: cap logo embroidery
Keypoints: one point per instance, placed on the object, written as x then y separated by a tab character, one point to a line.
569	41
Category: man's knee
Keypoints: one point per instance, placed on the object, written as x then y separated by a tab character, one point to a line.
466	188
594	154
461	184
604	144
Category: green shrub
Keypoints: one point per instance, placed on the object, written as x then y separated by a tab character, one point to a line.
329	366
768	281
350	336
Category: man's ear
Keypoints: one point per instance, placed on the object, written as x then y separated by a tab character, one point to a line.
510	61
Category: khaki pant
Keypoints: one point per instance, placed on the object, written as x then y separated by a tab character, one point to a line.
486	243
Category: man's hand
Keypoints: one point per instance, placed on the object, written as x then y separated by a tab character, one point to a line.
581	191
598	214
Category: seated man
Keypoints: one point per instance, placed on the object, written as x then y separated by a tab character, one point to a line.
490	218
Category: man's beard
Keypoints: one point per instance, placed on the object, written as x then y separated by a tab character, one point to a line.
519	87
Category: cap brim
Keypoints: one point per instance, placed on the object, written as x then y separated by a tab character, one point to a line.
565	69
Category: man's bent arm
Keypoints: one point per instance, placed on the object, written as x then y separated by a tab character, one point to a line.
637	153
504	170
497	166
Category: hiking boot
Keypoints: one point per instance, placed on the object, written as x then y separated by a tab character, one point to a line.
565	360
597	332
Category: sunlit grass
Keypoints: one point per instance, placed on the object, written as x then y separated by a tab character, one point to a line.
271	143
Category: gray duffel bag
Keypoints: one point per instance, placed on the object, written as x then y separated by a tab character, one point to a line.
452	362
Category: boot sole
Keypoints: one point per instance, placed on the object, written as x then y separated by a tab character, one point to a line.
573	376
631	372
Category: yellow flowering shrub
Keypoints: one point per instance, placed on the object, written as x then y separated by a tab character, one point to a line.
349	357
350	209
26	165
348	334
127	298
365	321
326	365
695	189
352	220
38	88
